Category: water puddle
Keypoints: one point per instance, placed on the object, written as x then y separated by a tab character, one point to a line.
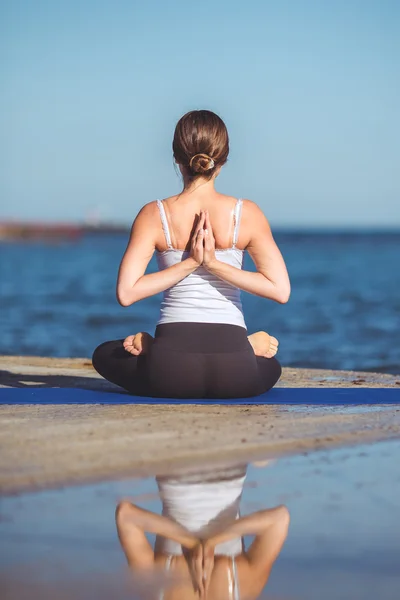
342	542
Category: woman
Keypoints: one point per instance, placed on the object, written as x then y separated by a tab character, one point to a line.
201	348
199	542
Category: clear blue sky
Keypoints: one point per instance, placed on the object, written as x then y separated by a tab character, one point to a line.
309	91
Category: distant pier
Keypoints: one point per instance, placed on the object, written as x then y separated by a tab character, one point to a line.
40	231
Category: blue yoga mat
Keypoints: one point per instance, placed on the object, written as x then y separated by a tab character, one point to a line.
314	396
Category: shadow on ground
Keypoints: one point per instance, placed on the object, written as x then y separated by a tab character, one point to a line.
20	380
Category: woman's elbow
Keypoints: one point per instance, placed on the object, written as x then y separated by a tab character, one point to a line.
123	302
124	299
280	293
283	295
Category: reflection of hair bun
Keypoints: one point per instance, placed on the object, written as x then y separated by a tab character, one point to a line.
200	163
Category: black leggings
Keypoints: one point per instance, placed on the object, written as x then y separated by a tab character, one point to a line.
190	360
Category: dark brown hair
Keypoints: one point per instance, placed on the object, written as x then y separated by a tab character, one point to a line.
201	143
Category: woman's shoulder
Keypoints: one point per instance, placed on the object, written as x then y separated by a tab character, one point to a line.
252	214
249	585
251	206
152	209
148	212
146	219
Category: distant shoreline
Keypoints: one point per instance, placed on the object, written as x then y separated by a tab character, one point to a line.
19	231
37	231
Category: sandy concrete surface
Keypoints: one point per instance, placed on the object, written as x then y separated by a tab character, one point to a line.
51	446
19	371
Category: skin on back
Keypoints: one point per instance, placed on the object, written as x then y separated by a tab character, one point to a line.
182	587
183	211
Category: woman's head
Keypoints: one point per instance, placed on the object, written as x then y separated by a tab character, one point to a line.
201	143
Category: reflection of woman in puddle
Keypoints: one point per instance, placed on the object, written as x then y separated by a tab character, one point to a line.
199	538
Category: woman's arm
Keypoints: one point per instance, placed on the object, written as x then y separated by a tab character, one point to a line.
255	524
270	528
133	285
132	523
271	279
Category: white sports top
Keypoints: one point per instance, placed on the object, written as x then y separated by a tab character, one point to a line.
201	297
203	504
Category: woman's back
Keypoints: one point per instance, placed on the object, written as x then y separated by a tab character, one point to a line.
231	579
183	210
201	297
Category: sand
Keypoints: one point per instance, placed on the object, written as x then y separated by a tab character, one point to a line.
52	446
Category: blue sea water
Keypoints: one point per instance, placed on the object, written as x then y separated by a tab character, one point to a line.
344	311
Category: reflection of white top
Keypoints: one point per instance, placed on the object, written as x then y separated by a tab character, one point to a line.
201	297
204	504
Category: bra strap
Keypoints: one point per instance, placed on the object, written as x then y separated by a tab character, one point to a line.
236	219
167	567
164	222
236	592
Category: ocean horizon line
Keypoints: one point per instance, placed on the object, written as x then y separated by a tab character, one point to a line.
123	226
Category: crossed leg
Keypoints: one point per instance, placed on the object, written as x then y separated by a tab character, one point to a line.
263	344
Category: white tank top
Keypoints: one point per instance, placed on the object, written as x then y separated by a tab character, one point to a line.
203	504
201	297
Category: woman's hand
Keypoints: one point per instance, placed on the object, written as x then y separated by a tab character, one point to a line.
208	564
200	560
209	242
195	563
197	241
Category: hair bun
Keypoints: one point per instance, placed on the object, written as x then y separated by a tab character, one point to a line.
200	163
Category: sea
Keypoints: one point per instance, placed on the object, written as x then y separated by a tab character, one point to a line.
58	299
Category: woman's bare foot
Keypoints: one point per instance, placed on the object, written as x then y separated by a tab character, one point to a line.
263	344
138	343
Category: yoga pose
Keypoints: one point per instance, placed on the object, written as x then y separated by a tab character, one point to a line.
199	539
201	348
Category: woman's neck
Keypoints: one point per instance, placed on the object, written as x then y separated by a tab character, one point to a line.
192	185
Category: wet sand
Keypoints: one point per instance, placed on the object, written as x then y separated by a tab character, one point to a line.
344	535
53	446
